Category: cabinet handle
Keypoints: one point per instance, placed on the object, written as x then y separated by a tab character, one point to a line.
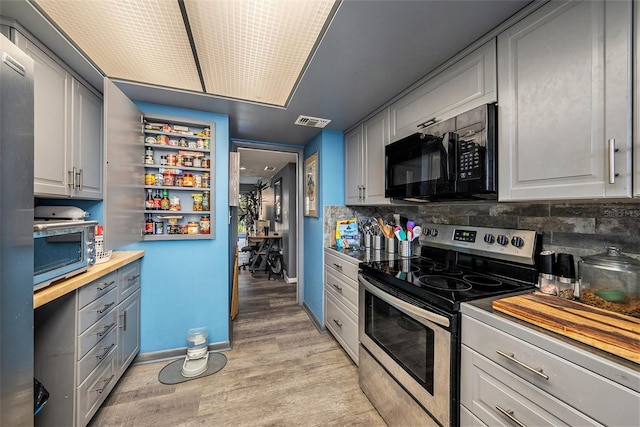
107	329
509	414
337	322
124	321
79	175
106	351
427	123
337	287
364	192
524	365
72	178
105	384
132	278
612	161
338	266
105	307
105	285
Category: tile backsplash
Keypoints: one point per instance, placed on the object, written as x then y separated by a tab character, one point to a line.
578	228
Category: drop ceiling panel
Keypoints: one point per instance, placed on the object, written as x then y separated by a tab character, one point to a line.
143	40
256	50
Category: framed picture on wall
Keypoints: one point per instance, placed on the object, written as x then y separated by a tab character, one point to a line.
311	185
277	203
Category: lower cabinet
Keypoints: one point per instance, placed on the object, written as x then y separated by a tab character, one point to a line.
83	343
341	300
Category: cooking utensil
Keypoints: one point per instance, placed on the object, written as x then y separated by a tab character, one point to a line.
410	225
417	230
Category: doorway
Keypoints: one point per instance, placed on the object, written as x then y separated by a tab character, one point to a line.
279	168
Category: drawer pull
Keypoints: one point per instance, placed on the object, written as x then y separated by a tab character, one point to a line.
105	384
132	278
107	329
337	322
337	287
427	123
509	414
105	285
338	265
124	321
509	356
105	307
106	351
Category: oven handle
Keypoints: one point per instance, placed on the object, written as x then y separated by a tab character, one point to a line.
417	311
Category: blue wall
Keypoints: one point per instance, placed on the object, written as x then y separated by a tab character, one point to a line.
186	283
330	148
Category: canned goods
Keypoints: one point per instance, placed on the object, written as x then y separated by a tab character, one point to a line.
179	160
171	159
192	227
205	225
168	179
159	227
159	179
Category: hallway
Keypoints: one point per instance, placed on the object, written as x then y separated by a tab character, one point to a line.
281	371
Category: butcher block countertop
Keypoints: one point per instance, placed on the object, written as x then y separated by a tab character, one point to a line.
118	259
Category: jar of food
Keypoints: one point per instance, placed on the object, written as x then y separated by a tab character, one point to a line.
148	156
197	201
193	144
200	143
205	180
168	179
206	163
149	178
188	161
197	162
171	159
205	200
162	139
610	281
206	144
174	203
183	142
187	180
179	160
159	179
197	181
192	227
205	224
179	181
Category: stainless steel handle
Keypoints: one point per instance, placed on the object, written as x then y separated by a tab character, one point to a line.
427	123
337	322
105	307
132	278
124	321
338	265
105	285
612	161
105	384
337	287
107	329
511	357
79	183
72	178
509	414
404	306
106	351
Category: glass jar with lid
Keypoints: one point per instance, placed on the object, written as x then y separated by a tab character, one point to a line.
610	280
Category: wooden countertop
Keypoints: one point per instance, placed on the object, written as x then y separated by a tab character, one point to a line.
118	259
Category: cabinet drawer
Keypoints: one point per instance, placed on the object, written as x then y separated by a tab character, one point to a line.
343	325
564	377
96	310
97	355
95	389
349	269
96	333
128	280
97	288
343	288
487	387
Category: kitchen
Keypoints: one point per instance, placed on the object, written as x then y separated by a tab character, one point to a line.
579	227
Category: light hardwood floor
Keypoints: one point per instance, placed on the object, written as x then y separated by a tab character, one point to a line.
280	371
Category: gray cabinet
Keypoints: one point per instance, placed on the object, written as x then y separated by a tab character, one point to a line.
341	300
365	162
537	380
565	101
84	341
67	129
466	84
636	102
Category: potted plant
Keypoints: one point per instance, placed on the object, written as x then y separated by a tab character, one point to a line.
250	205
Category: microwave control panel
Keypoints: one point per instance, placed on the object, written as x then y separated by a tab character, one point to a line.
470	155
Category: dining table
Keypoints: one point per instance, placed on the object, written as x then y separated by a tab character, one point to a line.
266	243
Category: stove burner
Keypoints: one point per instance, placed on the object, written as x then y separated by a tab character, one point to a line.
445	283
482	281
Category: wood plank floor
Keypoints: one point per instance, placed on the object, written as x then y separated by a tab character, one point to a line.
281	371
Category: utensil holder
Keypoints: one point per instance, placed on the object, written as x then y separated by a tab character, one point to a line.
376	242
391	245
405	248
367	240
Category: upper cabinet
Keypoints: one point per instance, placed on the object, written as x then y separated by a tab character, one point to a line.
565	103
365	162
636	105
467	84
67	129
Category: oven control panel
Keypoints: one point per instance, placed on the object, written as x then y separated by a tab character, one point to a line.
502	243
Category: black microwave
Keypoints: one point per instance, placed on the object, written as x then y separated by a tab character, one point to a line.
451	159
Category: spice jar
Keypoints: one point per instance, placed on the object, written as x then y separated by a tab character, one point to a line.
205	224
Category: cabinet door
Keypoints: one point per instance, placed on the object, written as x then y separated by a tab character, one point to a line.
375	137
466	84
52	97
565	88
87	142
636	105
128	331
353	167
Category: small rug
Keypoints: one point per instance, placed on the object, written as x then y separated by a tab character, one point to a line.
172	373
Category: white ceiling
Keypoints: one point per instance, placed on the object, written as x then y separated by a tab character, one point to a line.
371	52
254	162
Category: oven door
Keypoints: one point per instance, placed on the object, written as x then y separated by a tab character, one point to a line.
58	253
411	343
420	166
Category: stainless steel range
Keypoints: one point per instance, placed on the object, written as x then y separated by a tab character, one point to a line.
409	328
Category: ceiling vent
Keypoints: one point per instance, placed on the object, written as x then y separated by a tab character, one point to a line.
313	122
270	168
